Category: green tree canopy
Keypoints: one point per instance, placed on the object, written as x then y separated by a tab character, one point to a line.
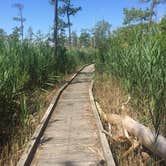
134	15
69	10
85	38
153	4
101	32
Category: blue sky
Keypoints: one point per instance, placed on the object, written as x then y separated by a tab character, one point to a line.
39	13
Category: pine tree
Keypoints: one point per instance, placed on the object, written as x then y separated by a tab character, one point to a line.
69	10
20	18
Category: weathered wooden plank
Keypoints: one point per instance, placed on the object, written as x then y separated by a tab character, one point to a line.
72	136
29	152
106	149
73	122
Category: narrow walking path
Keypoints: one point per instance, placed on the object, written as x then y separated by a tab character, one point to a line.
71	137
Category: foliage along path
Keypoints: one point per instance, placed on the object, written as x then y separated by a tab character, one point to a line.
71	137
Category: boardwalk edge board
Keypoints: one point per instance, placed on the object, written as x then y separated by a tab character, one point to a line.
31	147
104	142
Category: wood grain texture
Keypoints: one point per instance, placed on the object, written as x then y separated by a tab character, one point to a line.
30	149
72	137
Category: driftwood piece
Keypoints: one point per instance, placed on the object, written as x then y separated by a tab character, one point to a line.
157	144
146	137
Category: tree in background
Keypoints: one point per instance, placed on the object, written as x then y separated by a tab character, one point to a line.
154	3
30	34
101	34
61	36
85	38
20	18
2	35
68	9
74	39
15	34
134	15
55	3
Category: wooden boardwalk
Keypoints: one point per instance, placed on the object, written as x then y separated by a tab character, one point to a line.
72	137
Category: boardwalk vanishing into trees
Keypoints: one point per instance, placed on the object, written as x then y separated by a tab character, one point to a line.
110	112
72	136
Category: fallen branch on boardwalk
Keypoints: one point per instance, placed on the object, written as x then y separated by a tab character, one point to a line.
157	144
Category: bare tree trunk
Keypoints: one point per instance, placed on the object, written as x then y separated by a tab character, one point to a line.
156	143
20	18
69	27
68	22
56	27
152	10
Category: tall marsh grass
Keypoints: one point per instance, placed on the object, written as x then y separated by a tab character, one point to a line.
28	65
136	58
26	68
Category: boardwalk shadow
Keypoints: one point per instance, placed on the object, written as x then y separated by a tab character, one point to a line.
68	163
45	140
53	121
